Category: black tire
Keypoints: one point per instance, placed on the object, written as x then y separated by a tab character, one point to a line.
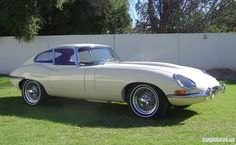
33	93
147	101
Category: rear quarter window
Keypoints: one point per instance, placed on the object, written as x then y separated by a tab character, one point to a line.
46	57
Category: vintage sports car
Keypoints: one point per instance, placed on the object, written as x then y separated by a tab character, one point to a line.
94	72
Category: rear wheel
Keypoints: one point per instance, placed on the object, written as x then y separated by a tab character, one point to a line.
33	93
147	101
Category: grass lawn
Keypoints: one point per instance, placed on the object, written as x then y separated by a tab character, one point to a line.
70	121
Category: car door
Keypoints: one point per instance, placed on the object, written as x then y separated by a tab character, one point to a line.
67	79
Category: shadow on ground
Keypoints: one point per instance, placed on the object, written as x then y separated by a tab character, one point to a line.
88	114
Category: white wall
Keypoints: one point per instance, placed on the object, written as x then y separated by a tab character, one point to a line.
148	47
217	51
205	51
14	53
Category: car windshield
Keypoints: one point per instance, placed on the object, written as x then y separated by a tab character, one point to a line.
104	54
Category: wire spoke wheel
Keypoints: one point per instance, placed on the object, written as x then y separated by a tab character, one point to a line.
33	93
145	101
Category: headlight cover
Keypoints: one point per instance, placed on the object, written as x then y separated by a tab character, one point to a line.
184	82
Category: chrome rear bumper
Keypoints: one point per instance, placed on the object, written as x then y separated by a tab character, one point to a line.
196	97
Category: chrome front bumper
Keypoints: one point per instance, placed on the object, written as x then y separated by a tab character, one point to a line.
196	97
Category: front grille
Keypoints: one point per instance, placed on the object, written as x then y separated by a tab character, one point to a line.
214	89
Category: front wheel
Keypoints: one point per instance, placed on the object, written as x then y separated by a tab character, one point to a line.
33	93
147	101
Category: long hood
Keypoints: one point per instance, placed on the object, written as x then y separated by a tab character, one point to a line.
194	74
160	66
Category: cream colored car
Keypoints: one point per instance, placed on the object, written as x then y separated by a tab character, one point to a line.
94	72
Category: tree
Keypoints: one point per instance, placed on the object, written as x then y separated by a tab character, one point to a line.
118	19
19	17
93	17
22	18
185	16
28	18
77	17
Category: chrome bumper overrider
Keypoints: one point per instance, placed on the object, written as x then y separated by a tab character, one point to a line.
196	97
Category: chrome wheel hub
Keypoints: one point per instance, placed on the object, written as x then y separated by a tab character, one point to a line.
145	100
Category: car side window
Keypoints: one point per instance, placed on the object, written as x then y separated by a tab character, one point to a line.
44	57
85	58
65	57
